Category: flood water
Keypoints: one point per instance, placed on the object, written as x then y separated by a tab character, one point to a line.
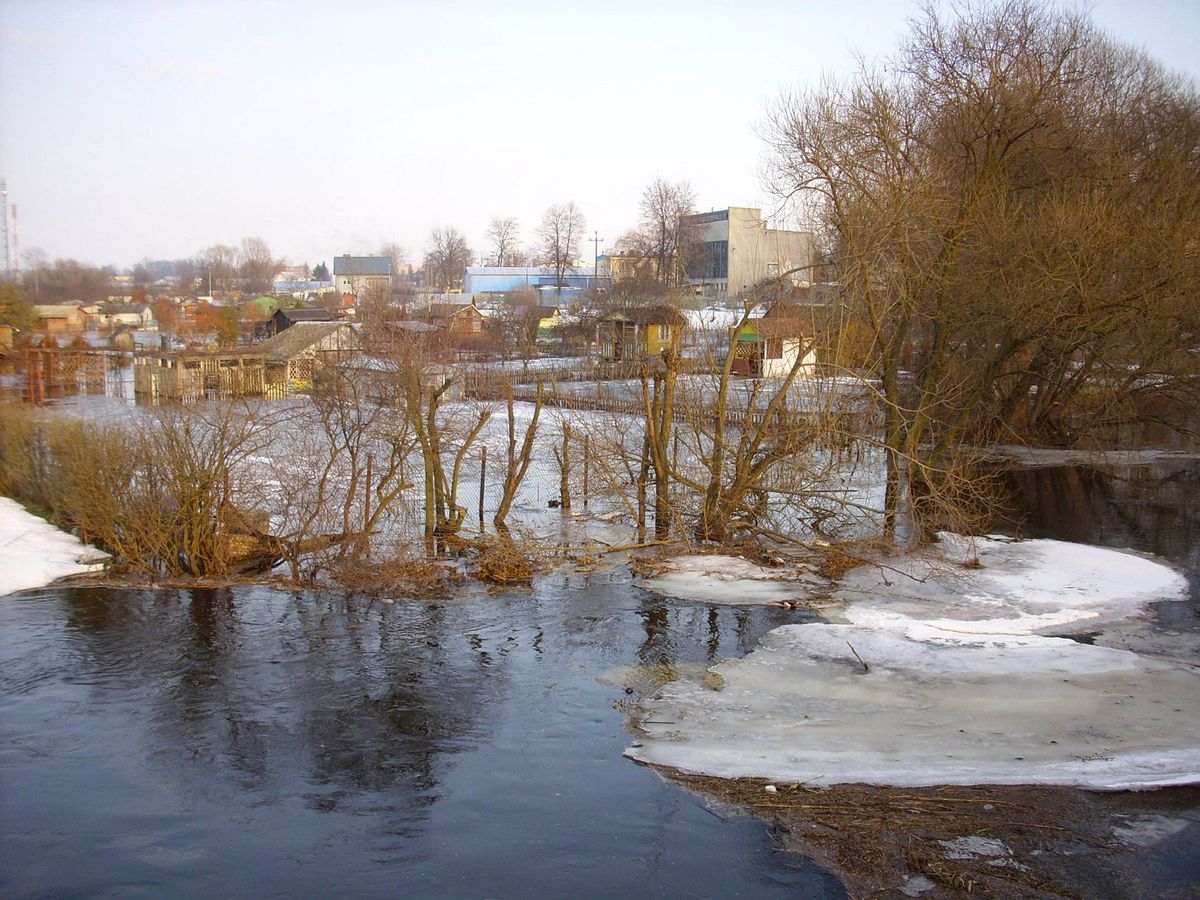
255	742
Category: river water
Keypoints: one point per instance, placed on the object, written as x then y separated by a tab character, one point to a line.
254	742
257	742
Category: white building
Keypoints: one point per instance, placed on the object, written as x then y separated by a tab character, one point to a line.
731	250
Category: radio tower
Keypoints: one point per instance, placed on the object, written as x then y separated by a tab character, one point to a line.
4	226
16	247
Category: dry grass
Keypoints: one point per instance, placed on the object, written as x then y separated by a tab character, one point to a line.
502	560
402	574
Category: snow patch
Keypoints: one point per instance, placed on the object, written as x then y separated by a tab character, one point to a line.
34	553
943	675
731	580
1020	587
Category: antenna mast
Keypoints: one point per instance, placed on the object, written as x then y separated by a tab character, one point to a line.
4	226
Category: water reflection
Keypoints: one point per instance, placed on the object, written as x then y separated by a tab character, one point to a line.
247	741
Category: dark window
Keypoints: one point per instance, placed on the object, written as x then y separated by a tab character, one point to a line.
711	259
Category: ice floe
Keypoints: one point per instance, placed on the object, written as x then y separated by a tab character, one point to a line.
941	677
730	580
34	553
1010	587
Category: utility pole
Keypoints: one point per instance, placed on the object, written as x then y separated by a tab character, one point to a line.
596	239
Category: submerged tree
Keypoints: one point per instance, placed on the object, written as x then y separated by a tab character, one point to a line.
1012	205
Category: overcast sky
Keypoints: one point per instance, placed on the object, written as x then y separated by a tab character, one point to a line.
135	128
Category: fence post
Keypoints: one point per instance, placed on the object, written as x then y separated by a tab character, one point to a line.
587	462
482	479
565	469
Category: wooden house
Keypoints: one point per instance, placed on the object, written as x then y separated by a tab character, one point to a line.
770	345
628	335
460	320
59	318
295	355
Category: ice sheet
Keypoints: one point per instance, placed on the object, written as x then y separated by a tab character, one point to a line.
942	677
1021	587
1031	710
34	553
731	580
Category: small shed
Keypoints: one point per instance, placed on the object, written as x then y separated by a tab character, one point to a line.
459	319
770	345
286	318
294	356
199	374
634	334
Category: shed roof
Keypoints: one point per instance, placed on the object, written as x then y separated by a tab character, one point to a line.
777	327
647	315
291	342
307	314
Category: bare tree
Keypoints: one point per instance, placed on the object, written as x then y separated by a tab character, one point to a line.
664	208
397	254
559	234
217	267
256	265
504	236
447	258
1012	204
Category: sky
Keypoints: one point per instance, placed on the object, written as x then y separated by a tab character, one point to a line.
154	128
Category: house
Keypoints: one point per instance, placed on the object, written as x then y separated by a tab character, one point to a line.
360	277
136	315
633	334
729	251
59	318
458	319
770	345
286	318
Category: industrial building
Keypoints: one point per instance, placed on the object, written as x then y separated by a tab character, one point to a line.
731	250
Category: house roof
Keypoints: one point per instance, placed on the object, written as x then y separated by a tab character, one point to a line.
362	265
779	326
291	342
448	310
123	309
647	315
305	314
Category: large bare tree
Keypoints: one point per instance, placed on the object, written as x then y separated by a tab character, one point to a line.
447	258
664	210
1012	203
561	228
504	237
256	265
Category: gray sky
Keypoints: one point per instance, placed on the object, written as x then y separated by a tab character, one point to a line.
133	128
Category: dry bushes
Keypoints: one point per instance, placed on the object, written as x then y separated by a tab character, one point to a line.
152	494
400	574
501	561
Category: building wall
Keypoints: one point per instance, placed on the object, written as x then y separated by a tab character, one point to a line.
752	251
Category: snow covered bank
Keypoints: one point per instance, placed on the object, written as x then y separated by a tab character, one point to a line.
942	677
34	553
